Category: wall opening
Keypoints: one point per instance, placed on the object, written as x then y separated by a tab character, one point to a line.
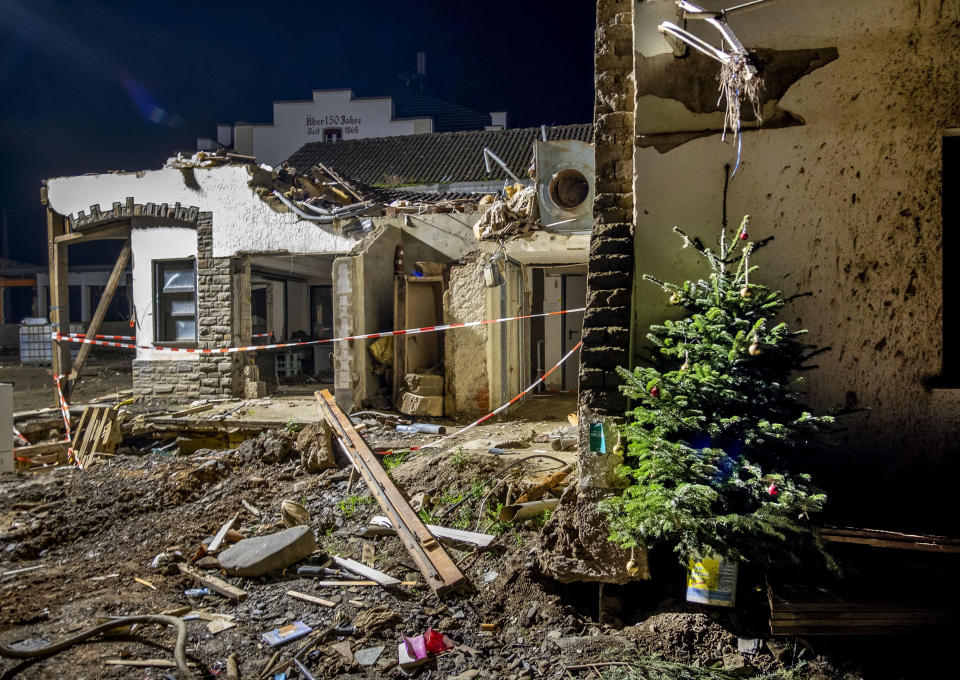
569	189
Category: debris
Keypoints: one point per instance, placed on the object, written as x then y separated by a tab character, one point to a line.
439	571
368	554
536	492
316	447
414	651
214	583
371	620
233	668
25	569
293	514
335	584
164	562
417	405
488	627
310	598
490	576
562	444
368	655
220	624
522	511
262	554
144	663
343	648
250	508
281	636
382	524
222	534
145	583
97	433
573	419
748	645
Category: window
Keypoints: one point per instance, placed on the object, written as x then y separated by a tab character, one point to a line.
332	134
175	301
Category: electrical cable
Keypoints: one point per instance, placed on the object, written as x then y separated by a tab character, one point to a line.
179	648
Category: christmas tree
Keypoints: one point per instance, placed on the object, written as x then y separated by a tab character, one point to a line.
719	424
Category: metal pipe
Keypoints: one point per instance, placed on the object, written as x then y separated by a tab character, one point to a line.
488	154
693	41
430	428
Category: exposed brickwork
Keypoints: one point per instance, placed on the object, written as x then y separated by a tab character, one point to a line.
202	375
606	324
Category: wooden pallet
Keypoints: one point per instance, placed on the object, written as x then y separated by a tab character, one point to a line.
40	457
98	433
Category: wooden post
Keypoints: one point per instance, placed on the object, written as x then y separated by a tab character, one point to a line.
101	311
59	295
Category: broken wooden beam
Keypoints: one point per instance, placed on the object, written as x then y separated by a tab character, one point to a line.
222	534
459	535
365	571
214	583
439	571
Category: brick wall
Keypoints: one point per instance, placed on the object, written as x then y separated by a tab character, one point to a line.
204	375
606	324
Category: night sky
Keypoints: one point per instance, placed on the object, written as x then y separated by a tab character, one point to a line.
97	86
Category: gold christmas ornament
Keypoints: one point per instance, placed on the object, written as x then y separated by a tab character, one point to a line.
755	349
675	299
632	567
685	366
746	292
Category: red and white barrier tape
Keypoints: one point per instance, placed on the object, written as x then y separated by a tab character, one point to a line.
283	345
261	335
65	412
20	437
501	408
103	337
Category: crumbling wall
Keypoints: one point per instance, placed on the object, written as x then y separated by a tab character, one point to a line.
203	375
574	541
467	389
853	200
606	323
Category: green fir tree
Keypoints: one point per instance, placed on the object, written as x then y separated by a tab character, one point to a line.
719	424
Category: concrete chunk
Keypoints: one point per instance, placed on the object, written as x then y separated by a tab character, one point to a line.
415	405
263	554
425	384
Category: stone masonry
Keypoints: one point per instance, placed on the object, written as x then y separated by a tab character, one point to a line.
606	324
203	375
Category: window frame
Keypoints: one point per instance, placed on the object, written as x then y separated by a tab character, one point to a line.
160	314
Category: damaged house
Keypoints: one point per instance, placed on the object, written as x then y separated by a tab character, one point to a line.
852	171
348	238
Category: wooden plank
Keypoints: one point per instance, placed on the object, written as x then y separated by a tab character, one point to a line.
310	598
222	534
190	411
439	571
337	584
101	311
459	535
59	310
113	231
364	570
212	582
35	450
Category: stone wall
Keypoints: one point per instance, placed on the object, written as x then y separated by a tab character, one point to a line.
202	375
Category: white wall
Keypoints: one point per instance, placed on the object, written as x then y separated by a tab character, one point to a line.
296	123
147	245
241	221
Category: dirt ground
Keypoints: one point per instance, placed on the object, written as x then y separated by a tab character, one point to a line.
91	533
33	384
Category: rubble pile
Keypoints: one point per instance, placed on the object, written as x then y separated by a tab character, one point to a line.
514	215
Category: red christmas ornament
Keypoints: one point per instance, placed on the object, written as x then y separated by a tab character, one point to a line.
655	392
743	235
772	490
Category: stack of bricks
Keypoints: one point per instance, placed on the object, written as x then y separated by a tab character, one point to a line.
606	324
201	375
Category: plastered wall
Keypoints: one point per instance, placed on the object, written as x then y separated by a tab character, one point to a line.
852	199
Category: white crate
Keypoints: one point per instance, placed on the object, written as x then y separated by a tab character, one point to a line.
36	346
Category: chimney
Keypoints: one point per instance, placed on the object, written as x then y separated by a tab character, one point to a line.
224	135
422	64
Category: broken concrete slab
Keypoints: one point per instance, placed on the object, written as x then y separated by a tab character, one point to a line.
263	554
425	384
416	405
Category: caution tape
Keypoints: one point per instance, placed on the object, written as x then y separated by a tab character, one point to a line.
65	412
284	345
103	337
20	437
502	408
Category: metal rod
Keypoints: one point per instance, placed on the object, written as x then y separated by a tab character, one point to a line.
488	154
